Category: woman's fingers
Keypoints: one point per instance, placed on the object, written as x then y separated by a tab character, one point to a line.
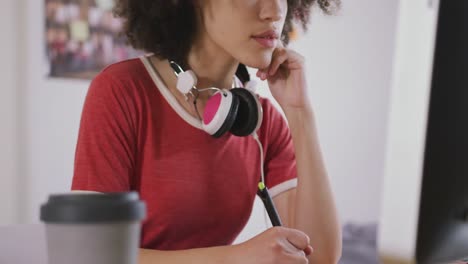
279	57
309	250
297	238
289	59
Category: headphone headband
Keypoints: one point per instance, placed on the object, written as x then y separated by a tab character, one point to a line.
176	68
186	80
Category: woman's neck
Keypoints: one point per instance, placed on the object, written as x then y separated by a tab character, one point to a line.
212	65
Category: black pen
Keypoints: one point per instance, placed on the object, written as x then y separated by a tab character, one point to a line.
269	206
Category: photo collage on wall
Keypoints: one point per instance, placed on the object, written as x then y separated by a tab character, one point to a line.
83	37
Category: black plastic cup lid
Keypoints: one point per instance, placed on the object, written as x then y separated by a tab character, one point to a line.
93	208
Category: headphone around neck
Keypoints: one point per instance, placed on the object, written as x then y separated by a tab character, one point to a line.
236	110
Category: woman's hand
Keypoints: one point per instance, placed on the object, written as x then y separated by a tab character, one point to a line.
277	245
286	78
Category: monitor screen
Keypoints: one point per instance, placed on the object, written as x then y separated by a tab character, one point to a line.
442	224
425	193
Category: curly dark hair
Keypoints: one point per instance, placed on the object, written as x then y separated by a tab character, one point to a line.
150	25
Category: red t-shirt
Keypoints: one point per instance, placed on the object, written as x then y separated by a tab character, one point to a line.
199	190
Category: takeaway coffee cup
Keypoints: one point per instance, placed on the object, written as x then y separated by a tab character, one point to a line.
93	228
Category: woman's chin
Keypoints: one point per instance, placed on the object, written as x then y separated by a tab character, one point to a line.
258	62
255	58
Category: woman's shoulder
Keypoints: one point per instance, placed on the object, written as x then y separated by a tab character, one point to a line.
123	81
271	110
273	119
129	76
130	69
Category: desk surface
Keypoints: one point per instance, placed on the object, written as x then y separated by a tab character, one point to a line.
23	244
26	244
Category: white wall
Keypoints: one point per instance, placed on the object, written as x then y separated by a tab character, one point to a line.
8	113
407	132
52	112
349	65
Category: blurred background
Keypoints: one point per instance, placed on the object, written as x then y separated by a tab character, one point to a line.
82	37
349	66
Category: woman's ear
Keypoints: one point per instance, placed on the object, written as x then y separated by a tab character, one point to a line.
294	34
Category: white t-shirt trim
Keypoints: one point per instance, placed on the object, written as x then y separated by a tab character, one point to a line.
282	187
168	95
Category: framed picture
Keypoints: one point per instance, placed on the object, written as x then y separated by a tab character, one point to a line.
83	37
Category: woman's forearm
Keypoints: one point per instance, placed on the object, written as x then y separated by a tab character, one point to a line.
315	211
221	254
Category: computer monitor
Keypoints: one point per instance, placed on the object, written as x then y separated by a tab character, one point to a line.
424	217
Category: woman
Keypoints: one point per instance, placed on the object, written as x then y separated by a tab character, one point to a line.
140	132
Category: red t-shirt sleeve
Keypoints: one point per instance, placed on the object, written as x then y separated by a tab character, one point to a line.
280	160
105	151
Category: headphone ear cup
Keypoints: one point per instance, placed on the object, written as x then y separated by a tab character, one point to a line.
220	113
230	118
248	115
